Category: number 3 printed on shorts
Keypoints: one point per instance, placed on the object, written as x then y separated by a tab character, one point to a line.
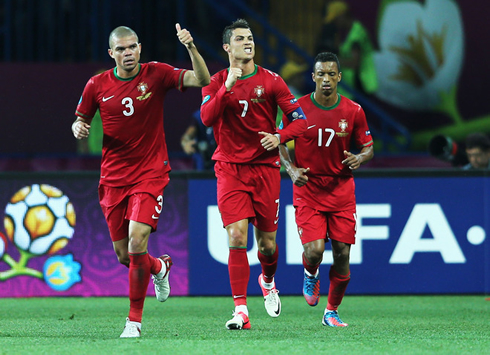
158	207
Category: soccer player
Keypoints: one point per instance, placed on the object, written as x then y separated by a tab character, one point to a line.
135	166
241	106
323	190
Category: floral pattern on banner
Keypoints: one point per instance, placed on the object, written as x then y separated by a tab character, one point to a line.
420	62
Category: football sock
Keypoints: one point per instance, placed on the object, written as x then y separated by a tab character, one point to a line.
239	271
311	269
269	265
156	265
139	277
338	285
267	285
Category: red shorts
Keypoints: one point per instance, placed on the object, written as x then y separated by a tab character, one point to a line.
313	225
142	202
249	192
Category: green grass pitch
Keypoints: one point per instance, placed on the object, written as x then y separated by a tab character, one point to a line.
196	325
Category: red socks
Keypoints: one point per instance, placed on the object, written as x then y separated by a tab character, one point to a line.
156	264
239	271
338	285
269	264
140	268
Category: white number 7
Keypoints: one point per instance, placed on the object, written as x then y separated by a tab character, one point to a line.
245	106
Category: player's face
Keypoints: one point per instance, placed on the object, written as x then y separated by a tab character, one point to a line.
478	159
326	77
126	52
242	46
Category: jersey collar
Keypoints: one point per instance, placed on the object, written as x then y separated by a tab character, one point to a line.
249	75
312	96
127	79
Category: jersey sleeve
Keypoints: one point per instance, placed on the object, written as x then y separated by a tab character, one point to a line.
214	99
171	76
362	134
294	122
87	106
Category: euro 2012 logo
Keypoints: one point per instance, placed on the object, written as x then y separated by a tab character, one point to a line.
39	220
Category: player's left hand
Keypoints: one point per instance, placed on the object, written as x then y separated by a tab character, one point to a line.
184	36
270	141
351	160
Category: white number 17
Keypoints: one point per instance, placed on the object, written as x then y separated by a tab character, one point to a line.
329	139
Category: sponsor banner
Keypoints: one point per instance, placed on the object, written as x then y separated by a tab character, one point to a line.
55	240
415	235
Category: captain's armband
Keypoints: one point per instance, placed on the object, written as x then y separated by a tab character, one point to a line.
296	114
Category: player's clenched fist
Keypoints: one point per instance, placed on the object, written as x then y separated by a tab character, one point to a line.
233	75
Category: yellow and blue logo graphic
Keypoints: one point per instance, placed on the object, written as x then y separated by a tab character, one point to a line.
40	220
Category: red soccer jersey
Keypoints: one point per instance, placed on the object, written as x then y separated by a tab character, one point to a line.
331	130
134	147
238	115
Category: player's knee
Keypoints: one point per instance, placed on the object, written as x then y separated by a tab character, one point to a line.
314	256
137	244
237	238
314	251
341	256
122	257
267	248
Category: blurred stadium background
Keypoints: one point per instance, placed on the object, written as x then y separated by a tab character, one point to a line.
50	48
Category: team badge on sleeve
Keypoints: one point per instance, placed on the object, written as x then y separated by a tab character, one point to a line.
368	133
206	99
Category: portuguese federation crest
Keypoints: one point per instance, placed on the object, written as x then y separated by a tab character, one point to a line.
143	88
259	91
343	124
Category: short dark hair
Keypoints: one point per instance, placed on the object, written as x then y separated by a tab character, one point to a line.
478	140
240	23
326	57
120	32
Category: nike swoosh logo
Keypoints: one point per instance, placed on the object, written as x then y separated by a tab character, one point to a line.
238	296
278	309
154	217
312	126
104	99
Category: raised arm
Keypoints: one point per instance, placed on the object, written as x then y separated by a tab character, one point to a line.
199	75
214	100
